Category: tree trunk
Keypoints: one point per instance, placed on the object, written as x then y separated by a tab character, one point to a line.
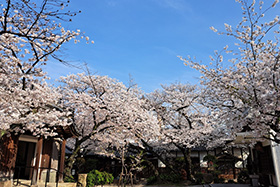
122	172
72	159
187	158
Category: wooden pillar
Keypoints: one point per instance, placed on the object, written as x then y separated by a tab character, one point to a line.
62	160
38	155
46	158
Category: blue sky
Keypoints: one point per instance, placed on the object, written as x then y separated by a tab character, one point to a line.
144	37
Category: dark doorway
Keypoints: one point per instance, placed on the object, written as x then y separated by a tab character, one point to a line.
25	156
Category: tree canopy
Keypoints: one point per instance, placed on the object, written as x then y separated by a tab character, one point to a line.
243	91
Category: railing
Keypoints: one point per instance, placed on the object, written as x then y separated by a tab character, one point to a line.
18	170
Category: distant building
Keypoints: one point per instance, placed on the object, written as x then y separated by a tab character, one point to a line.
263	161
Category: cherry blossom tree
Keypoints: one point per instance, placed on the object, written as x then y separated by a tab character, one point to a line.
35	110
105	112
185	123
243	91
31	33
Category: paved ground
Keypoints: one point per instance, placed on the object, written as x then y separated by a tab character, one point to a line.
26	183
223	185
212	185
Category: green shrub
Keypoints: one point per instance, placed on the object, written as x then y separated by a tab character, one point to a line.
96	177
210	158
108	177
69	179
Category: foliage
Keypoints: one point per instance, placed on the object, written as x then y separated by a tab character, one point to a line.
69	179
213	168
211	162
136	161
96	177
132	161
210	158
108	177
243	177
2	132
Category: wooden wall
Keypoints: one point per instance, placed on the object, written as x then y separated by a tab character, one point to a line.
8	153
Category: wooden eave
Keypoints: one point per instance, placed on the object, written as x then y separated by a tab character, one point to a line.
67	131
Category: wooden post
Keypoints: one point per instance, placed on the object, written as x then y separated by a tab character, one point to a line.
62	160
38	155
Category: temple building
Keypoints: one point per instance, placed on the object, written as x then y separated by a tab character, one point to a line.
23	156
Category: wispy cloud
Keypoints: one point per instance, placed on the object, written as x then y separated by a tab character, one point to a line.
166	50
111	3
179	5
